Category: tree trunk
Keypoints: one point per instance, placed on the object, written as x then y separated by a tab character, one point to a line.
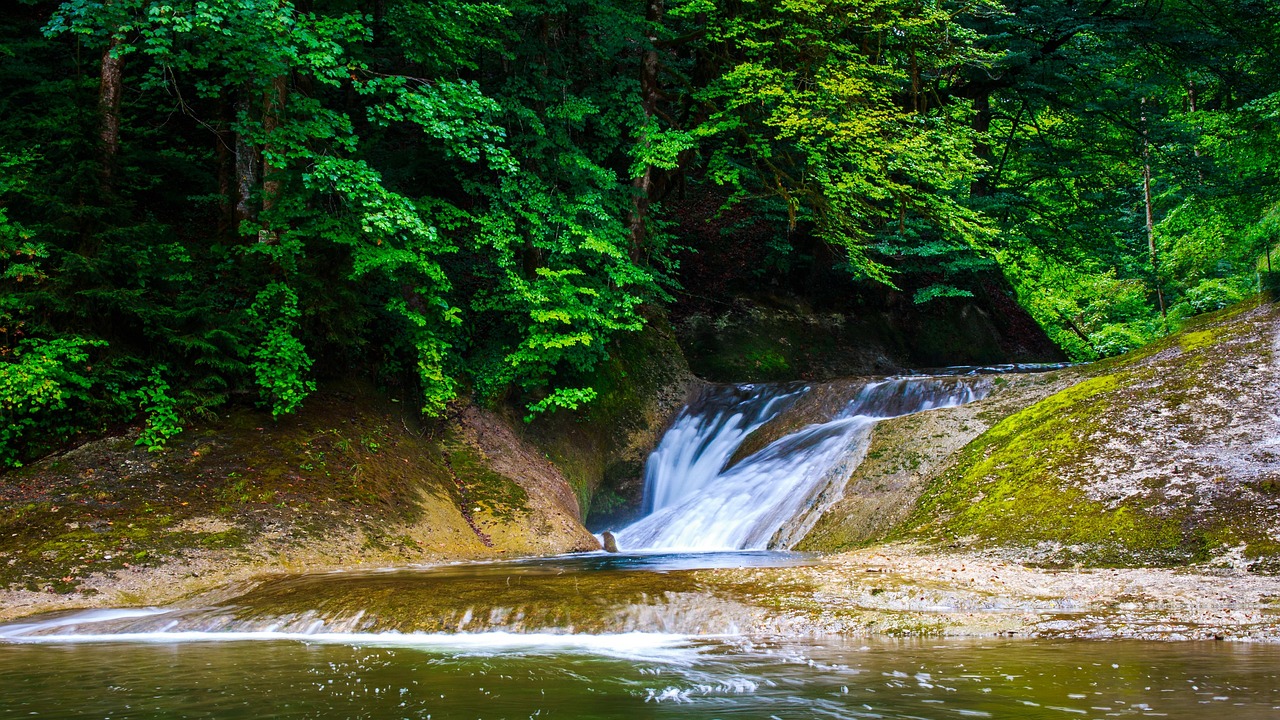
649	92
1071	325
110	89
224	142
981	185
994	182
246	166
1191	109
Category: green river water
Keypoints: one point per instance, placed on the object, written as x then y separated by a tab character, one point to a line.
480	641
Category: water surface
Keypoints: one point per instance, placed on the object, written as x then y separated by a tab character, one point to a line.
639	677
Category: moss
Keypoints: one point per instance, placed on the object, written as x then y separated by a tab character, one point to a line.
479	486
768	362
53	546
1022	483
1196	340
619	500
855	334
769	355
224	539
640	387
1005	488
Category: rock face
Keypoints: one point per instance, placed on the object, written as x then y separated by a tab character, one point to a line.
1167	456
780	337
602	448
760	303
906	454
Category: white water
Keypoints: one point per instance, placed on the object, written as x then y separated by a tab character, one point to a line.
671	647
771	498
705	435
147	625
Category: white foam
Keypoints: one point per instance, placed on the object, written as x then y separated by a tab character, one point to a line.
636	645
771	498
87	617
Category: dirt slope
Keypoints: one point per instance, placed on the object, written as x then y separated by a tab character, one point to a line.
350	481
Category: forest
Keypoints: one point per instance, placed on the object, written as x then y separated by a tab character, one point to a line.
215	201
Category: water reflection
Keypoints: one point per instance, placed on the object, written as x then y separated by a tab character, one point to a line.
690	679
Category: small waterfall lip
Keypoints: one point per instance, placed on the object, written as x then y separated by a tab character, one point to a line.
734	411
20	631
530	605
626	645
993	369
698	500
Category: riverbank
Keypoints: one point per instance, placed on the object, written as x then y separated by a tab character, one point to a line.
890	590
1011	515
348	482
902	589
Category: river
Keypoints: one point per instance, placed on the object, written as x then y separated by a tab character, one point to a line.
508	640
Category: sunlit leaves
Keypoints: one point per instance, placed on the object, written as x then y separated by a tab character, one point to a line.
815	109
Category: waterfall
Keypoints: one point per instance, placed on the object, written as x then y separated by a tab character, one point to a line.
704	437
698	499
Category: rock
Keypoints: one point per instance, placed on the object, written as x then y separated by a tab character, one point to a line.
610	542
781	337
601	447
1162	457
349	480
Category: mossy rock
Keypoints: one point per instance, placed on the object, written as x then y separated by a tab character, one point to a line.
1161	457
779	337
908	452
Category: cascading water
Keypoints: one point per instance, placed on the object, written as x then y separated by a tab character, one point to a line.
704	437
698	500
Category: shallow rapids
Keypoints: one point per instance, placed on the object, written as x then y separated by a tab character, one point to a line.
582	595
697	635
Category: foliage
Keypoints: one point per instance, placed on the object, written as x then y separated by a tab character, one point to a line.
1093	97
240	198
280	361
819	103
163	418
1214	294
44	384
